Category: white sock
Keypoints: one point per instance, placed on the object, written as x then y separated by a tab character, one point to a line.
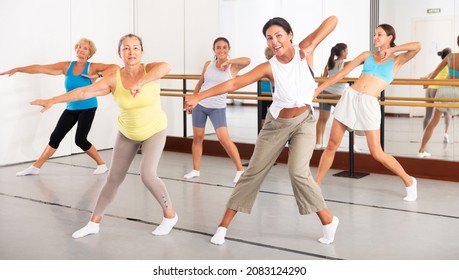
166	226
238	175
329	231
412	191
90	228
219	236
101	169
192	174
31	170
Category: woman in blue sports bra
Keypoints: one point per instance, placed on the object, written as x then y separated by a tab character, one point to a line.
452	62
358	109
77	73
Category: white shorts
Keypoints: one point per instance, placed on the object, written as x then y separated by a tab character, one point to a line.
358	111
448	92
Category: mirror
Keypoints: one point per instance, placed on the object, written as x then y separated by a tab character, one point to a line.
414	20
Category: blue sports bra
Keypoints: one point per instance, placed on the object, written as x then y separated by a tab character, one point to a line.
453	72
384	70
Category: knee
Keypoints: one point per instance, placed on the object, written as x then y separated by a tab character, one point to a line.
83	143
332	145
198	139
148	176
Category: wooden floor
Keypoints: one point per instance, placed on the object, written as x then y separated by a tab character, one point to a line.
39	213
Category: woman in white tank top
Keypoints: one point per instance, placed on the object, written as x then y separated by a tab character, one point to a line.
215	72
289	120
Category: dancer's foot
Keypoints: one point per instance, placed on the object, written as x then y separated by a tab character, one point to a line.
31	170
166	226
412	191
90	228
192	174
329	231
423	154
219	236
101	169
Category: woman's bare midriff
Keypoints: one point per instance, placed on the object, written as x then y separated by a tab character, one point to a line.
288	113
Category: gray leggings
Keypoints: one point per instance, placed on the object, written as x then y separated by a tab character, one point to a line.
124	152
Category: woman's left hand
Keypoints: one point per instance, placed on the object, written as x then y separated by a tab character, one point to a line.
190	102
136	89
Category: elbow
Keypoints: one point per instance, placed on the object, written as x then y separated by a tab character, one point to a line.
418	46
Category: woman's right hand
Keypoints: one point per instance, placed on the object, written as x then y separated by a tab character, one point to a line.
45	103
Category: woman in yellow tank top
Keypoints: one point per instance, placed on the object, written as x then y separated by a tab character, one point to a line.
141	121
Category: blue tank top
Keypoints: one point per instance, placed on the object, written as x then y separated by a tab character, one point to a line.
76	81
452	72
384	70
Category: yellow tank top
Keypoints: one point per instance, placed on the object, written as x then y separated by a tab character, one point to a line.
140	117
440	76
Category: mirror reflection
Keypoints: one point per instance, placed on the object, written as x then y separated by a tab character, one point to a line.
403	125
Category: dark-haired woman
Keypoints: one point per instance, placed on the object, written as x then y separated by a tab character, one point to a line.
431	92
290	120
217	71
358	109
452	62
335	63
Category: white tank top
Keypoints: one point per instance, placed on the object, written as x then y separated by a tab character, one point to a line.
337	88
294	82
212	77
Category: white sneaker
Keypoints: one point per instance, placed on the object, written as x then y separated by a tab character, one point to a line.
319	147
101	169
31	170
446	138
192	174
424	155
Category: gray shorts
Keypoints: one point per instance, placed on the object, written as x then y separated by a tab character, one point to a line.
217	116
358	111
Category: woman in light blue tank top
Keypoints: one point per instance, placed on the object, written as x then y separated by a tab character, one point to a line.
77	73
452	62
358	108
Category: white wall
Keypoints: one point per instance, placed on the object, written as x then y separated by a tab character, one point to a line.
45	32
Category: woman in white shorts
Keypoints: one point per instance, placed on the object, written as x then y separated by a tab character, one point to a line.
358	108
452	62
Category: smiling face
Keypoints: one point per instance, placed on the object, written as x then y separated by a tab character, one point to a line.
221	49
278	40
382	39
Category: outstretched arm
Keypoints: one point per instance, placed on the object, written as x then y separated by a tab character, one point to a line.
341	74
59	68
102	87
261	71
98	70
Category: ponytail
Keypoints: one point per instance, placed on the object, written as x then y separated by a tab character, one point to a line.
335	51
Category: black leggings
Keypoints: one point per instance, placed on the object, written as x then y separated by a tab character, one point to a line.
67	120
